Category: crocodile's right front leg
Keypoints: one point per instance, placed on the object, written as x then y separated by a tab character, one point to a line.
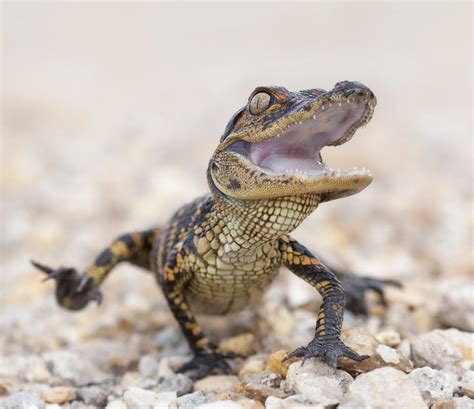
176	274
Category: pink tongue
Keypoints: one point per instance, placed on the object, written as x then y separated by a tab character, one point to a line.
281	163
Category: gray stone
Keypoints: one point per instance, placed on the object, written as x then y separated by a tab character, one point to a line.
179	383
116	404
466	383
456	304
148	365
435	350
138	398
75	368
171	341
191	400
463	403
317	382
433	384
22	400
383	388
95	395
216	383
313	368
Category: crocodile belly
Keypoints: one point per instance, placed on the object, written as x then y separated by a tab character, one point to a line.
220	292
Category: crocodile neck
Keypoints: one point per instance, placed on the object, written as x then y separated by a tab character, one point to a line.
252	224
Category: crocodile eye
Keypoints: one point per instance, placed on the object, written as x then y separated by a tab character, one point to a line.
259	103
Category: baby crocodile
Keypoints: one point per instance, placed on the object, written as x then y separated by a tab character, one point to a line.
219	253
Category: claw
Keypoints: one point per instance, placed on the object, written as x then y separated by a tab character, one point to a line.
73	291
45	269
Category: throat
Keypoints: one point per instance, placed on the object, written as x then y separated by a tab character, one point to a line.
251	224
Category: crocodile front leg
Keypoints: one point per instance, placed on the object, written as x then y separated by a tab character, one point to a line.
176	274
326	342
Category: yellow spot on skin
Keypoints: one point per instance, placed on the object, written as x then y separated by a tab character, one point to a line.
119	248
202	343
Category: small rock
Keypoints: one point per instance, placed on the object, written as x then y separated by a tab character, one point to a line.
241	344
28	400
116	404
444	404
75	368
436	350
171	341
252	365
191	400
147	383
221	404
463	341
275	363
59	394
138	398
179	383
261	386
455	403
128	380
456	304
405	348
389	337
95	395
318	382
466	383
463	403
148	365
364	343
396	391
30	368
3	390
433	384
216	383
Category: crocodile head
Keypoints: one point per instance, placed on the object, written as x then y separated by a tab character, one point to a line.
272	146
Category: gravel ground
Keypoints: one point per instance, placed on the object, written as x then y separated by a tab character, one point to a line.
110	130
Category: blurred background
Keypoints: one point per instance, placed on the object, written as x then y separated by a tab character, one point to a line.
111	112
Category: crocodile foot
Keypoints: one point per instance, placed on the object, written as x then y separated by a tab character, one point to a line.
73	291
205	362
329	350
356	287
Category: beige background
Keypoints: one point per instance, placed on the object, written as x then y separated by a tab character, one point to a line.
112	110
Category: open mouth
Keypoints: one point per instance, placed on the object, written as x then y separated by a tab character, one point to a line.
297	148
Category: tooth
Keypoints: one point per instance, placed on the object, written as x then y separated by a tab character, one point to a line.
322	107
348	101
340	105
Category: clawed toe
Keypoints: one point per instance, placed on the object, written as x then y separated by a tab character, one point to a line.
328	350
73	290
202	364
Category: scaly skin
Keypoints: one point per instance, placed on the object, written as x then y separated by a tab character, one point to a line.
219	253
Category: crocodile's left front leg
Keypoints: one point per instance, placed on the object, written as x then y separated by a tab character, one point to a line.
326	342
176	274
